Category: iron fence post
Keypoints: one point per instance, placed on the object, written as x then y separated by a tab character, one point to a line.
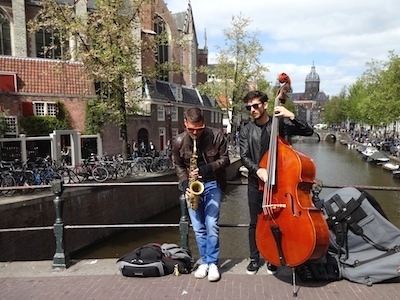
61	259
184	223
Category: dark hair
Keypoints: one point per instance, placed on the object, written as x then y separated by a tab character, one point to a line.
255	95
194	115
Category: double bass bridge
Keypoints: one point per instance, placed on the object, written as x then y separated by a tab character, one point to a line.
274	205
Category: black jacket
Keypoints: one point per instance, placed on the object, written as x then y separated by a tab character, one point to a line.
212	144
251	144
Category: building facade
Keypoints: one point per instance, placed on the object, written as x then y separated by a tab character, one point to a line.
33	81
310	103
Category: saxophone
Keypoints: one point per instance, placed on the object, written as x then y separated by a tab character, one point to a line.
196	187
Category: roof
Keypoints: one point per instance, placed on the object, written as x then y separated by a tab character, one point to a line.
164	91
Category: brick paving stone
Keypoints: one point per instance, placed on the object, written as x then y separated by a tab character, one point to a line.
101	280
231	286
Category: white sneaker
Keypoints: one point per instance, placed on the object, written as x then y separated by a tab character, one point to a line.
201	271
213	273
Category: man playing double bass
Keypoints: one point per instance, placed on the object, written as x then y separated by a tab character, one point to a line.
254	143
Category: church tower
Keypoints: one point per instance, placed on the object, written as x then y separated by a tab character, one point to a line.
312	84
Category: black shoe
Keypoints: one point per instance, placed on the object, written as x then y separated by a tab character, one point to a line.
271	269
253	267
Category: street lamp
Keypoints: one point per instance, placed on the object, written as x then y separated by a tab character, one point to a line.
168	111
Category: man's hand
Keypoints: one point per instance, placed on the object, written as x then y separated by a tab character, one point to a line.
262	173
281	111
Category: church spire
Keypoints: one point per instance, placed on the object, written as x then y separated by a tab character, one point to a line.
205	38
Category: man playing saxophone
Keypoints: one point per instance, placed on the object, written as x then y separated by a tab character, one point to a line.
201	155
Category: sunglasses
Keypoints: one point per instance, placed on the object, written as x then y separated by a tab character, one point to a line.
255	106
197	128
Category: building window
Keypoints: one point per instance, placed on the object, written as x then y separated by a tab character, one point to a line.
174	114
160	113
45	109
12	125
51	43
5	35
162	48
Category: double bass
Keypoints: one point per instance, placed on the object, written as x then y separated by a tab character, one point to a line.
290	229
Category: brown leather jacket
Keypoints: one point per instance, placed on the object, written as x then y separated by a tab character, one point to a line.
212	143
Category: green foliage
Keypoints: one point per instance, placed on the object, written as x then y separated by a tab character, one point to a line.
44	125
373	98
237	66
3	124
94	117
334	111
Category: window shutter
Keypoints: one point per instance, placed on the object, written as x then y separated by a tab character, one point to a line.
27	109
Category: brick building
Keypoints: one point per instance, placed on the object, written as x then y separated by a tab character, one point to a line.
32	82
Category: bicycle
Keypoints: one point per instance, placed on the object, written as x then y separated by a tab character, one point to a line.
91	168
7	180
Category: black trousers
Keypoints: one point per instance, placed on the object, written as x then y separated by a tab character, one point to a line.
255	207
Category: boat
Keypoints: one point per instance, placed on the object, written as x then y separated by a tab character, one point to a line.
368	151
244	171
396	174
378	157
390	167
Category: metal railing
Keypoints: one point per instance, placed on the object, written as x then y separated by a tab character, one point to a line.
61	258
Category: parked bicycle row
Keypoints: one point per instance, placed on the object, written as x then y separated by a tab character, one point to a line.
44	170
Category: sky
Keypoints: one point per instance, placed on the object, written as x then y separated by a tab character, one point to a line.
338	36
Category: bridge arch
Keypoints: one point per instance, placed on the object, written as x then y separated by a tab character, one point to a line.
332	136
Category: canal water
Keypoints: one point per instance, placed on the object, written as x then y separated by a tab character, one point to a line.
336	165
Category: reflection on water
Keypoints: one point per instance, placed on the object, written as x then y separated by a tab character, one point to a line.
339	165
336	165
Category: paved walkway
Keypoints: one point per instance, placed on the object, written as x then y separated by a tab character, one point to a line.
100	279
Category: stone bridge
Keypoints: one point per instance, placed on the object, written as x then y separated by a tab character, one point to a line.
331	136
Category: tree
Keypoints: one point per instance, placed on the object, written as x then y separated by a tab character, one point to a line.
334	111
3	124
237	66
108	43
376	91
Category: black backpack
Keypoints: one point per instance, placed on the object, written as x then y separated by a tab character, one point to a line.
152	260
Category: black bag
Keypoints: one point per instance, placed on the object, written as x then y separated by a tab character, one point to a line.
152	260
325	270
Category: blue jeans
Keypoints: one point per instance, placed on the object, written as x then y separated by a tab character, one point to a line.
205	223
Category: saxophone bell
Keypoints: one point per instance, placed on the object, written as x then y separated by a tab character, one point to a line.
196	189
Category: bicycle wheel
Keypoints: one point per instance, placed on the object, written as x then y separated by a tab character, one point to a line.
8	181
69	176
138	169
73	178
80	172
100	174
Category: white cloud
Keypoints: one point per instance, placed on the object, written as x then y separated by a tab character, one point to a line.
339	36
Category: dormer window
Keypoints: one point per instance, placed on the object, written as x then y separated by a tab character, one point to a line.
177	91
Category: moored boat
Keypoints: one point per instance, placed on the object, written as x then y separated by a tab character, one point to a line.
378	157
390	167
396	174
368	151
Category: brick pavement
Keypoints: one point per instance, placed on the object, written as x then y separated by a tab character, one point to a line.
100	279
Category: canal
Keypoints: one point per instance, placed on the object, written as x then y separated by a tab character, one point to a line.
336	165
